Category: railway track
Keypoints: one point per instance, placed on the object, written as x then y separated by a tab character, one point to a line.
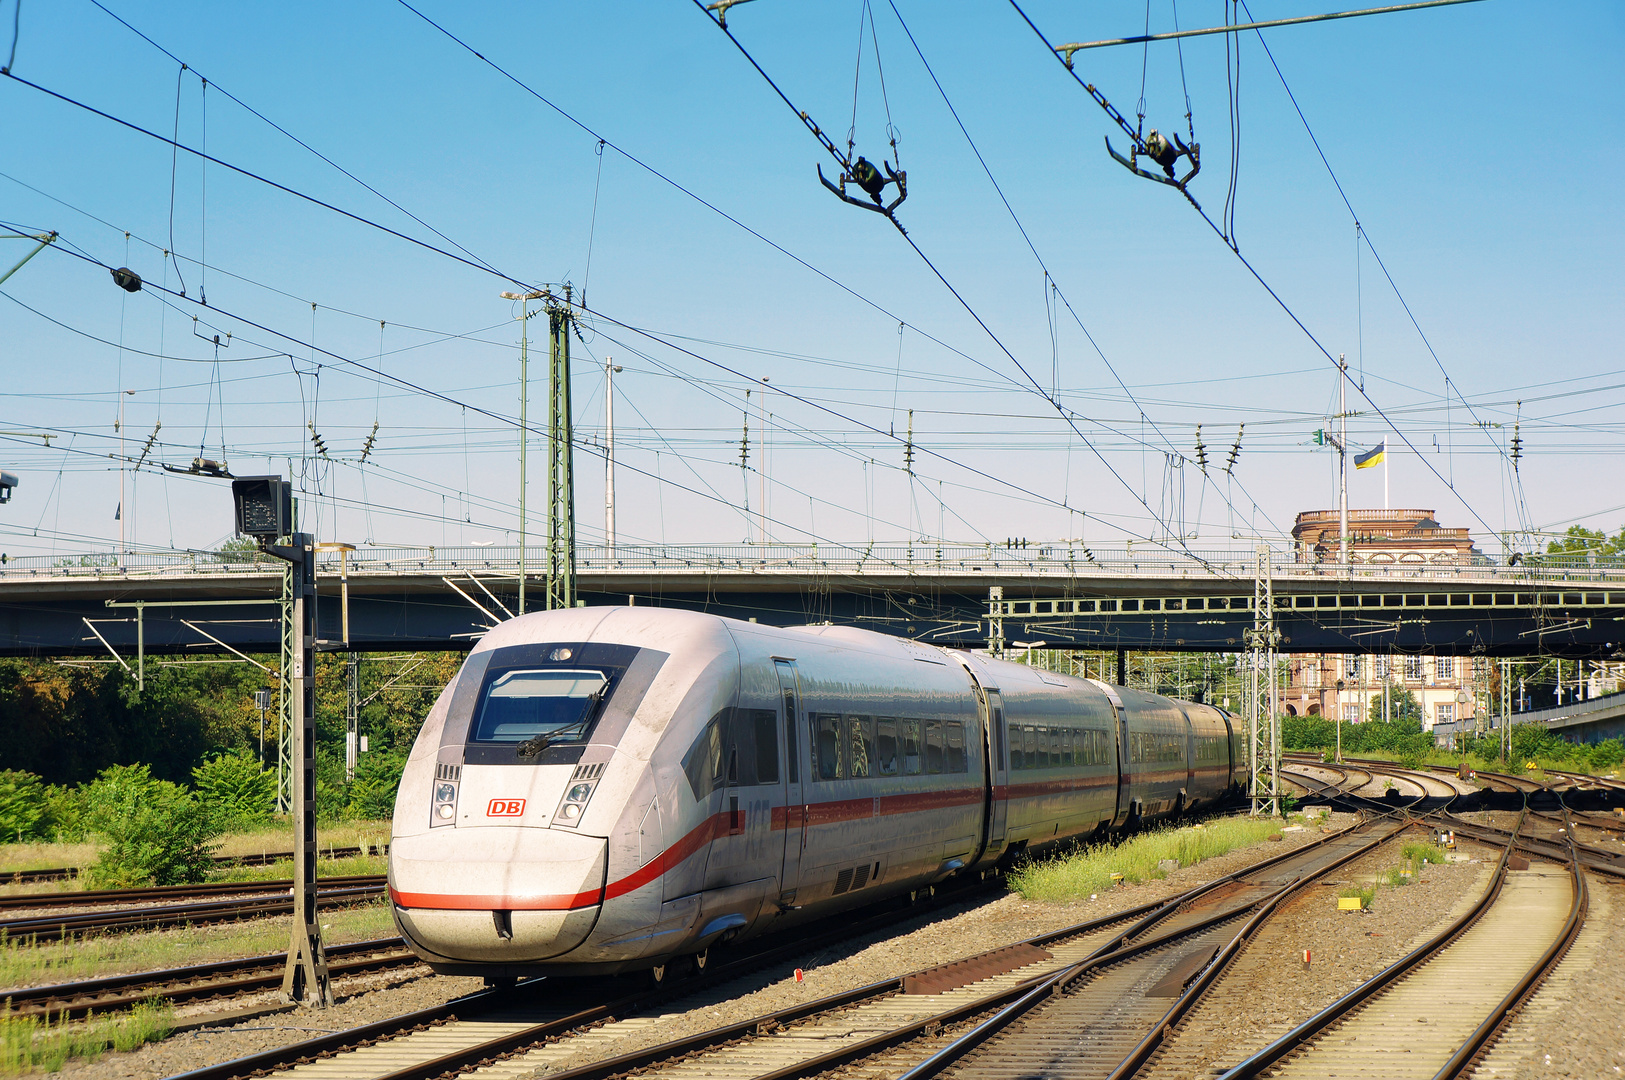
498	1021
199	982
1465	982
337	892
269	858
827	1033
94	897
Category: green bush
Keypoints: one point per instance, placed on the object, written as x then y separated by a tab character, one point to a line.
22	806
235	790
377	777
153	832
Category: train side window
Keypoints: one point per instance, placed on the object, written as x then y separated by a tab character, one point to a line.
910	732
860	746
933	746
1018	756
998	736
1029	744
826	735
886	745
765	725
703	762
956	759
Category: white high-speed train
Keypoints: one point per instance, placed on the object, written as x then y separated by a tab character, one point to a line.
605	789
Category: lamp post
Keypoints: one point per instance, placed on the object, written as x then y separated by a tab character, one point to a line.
524	424
1339	758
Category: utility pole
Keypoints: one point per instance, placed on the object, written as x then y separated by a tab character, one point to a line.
609	455
524	420
561	515
1263	741
1342	461
306	970
264	508
352	711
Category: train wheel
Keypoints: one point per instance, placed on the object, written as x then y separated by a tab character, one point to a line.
701	959
657	975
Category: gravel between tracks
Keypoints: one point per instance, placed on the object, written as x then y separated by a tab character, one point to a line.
1268	989
949	934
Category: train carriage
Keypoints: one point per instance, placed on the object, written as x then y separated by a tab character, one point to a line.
603	789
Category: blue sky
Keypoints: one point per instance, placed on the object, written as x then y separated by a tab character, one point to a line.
1479	145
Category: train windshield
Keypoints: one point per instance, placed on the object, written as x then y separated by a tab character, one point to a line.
553	703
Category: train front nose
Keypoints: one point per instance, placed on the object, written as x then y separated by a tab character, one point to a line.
497	895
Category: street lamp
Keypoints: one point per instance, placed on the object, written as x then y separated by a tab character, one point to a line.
1339	758
524	423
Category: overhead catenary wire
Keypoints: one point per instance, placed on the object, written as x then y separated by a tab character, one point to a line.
314	349
952	289
1285	307
1363	236
1021	228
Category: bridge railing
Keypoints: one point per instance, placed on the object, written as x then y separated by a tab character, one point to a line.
1055	561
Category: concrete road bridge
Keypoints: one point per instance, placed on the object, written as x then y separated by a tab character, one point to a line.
1134	598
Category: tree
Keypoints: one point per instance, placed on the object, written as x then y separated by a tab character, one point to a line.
1580	540
1402	705
22	805
235	790
153	832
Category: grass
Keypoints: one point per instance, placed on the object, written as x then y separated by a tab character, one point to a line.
1088	870
281	871
27	1044
1418	854
23	962
264	840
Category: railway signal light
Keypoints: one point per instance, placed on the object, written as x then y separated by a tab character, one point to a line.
264	507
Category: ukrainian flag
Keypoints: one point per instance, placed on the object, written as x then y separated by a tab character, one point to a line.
1371	457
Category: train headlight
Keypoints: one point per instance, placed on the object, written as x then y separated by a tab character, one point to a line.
574	802
445	795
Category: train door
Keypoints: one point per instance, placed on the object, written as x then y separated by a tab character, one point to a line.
795	806
997	774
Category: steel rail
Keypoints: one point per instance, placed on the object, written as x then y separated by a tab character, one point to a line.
194	982
1055	985
768	950
268	858
1260	1061
1593	858
56	927
90	897
1463	1058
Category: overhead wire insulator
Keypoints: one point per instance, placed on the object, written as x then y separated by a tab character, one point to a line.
1235	450
316	440
908	446
1201	451
372	438
1517	446
146	449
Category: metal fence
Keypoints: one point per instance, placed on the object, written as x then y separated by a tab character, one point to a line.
1047	561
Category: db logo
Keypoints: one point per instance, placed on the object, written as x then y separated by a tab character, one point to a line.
505	808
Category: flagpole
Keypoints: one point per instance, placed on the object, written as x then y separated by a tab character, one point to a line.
1385	474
